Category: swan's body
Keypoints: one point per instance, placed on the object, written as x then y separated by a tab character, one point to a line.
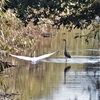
34	60
66	53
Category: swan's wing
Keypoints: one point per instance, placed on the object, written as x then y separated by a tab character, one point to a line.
22	57
33	59
45	55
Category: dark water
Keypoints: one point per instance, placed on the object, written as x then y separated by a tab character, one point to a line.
47	80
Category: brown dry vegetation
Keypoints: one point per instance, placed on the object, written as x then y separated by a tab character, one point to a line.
14	36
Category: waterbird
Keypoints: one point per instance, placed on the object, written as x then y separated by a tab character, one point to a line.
66	53
34	60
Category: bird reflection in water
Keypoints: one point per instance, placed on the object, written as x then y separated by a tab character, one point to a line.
65	71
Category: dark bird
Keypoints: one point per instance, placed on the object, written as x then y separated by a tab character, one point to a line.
66	53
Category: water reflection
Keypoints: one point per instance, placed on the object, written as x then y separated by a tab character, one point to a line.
45	81
94	76
79	86
76	59
66	69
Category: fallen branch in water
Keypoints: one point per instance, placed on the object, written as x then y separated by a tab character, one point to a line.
4	65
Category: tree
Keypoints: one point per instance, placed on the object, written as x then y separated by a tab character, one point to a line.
78	13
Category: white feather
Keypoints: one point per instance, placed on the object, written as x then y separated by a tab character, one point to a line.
34	59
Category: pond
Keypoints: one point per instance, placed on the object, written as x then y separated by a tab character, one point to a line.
47	80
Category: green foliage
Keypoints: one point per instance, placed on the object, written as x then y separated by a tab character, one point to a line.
60	12
94	33
2	4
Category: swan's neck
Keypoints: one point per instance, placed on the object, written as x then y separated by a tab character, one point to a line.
34	54
65	45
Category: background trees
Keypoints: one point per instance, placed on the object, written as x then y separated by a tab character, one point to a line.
68	13
59	12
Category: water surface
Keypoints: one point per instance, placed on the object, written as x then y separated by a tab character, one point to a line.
47	81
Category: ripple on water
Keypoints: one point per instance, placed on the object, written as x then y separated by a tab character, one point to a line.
75	59
76	87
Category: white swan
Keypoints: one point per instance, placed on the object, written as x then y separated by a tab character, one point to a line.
34	60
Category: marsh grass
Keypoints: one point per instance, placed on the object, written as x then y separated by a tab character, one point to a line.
14	36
